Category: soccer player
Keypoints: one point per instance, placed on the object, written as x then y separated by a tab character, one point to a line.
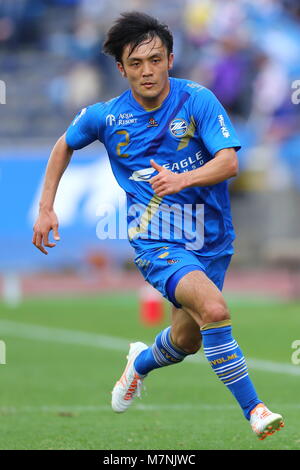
172	148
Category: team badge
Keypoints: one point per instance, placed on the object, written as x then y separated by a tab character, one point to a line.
178	127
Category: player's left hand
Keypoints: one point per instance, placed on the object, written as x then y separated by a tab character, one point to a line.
166	182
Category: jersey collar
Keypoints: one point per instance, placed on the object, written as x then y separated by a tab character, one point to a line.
138	106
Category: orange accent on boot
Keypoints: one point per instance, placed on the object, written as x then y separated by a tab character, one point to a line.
264	410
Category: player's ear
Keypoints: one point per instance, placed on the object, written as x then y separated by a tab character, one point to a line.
121	69
170	61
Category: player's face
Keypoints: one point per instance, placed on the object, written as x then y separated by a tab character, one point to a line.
147	71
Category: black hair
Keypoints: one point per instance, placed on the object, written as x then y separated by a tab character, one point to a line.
135	28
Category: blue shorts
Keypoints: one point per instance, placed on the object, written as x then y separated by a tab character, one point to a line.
163	267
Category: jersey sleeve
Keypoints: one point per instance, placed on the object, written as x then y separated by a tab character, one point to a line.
86	127
213	123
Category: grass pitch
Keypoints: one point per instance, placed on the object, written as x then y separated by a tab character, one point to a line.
64	355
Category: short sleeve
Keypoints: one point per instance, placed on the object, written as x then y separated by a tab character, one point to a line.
213	123
86	127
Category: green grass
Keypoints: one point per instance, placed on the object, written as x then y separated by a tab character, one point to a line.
56	395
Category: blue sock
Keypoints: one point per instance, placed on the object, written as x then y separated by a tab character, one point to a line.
228	362
162	353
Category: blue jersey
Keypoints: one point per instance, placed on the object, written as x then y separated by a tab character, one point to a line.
182	134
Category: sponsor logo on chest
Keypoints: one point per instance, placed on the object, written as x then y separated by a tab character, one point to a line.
123	119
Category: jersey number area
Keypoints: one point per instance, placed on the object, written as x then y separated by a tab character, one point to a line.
123	144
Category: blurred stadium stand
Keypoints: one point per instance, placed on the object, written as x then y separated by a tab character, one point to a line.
247	52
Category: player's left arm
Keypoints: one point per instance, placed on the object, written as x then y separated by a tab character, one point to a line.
220	168
219	137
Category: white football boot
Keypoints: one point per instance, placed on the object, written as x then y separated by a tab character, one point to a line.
130	384
263	422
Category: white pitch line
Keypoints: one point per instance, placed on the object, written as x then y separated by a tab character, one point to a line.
94	408
61	335
81	338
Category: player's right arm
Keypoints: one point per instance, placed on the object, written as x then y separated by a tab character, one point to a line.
47	219
85	129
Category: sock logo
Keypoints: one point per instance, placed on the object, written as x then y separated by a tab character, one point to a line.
168	356
220	360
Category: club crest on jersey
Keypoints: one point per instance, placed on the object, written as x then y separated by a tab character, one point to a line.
178	127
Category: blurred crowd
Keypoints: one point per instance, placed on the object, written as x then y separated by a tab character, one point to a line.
247	52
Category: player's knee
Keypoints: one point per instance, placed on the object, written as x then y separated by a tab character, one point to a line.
188	344
215	312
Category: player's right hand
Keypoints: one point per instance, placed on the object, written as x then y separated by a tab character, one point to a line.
46	221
